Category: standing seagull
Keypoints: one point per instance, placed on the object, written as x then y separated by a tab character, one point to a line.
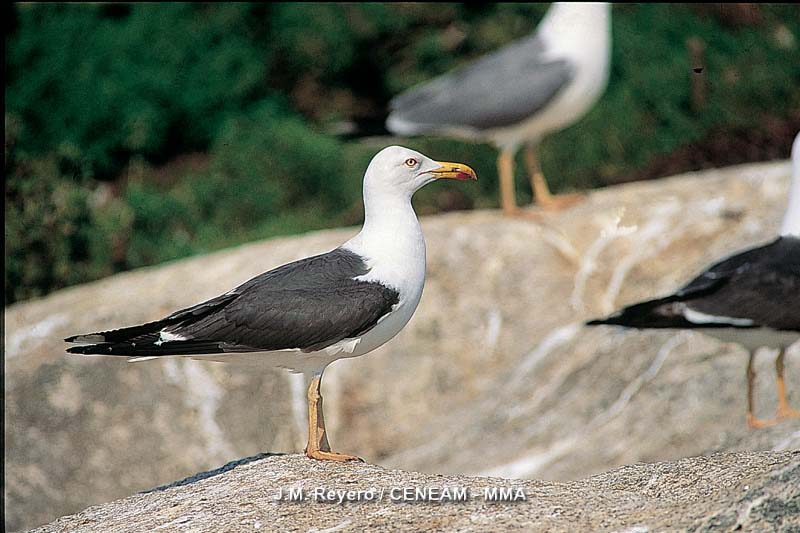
304	315
751	298
515	96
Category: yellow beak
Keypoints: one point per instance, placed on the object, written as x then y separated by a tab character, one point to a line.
456	171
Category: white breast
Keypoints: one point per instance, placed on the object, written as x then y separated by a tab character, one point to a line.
397	261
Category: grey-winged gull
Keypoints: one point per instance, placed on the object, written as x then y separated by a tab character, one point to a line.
515	96
304	315
751	298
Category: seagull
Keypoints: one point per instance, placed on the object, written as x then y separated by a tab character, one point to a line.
751	298
304	315
515	96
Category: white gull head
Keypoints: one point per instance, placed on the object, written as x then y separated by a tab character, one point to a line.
400	172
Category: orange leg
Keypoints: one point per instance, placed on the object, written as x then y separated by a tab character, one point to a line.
505	171
318	447
784	411
752	421
541	192
508	200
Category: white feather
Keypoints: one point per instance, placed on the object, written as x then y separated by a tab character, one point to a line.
696	317
791	220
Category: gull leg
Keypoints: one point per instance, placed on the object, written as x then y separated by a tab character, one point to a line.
318	447
505	170
784	411
541	192
752	421
508	201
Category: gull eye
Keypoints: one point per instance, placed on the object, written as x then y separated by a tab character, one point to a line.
411	162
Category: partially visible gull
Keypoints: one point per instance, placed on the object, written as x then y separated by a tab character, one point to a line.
304	315
751	298
515	96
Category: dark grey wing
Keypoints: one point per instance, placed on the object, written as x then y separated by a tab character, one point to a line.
307	305
498	90
759	287
268	318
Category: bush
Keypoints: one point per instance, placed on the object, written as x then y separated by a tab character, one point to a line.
62	227
99	83
60	230
262	165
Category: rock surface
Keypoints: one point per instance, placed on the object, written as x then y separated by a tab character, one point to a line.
751	491
494	359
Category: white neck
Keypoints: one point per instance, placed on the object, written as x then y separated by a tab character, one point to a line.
791	220
391	238
381	207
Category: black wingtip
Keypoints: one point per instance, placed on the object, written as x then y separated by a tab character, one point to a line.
92	349
77	349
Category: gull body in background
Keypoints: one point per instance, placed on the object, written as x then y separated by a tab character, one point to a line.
304	315
751	298
515	96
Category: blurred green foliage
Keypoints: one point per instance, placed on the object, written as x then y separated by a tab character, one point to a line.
139	133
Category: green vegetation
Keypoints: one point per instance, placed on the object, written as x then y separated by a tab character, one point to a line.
141	133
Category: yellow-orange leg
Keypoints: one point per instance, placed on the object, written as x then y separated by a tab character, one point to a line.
541	192
508	200
752	421
784	411
505	171
318	447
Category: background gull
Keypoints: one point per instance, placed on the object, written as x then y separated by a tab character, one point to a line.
304	315
515	96
751	298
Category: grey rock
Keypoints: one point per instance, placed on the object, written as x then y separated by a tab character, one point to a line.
493	375
749	491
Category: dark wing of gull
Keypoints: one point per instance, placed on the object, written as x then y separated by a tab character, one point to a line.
307	305
500	89
759	287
